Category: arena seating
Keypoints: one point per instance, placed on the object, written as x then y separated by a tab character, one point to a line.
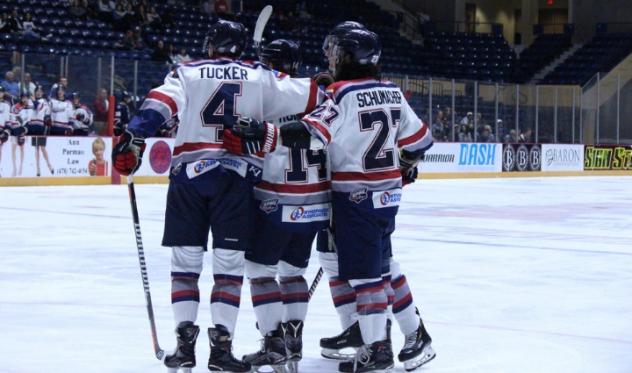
601	54
544	50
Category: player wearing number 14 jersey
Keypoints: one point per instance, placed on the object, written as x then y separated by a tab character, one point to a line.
209	188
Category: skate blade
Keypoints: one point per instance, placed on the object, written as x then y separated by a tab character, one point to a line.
292	366
329	353
425	357
269	369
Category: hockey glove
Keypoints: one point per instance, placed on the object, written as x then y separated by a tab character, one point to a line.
408	166
250	136
4	135
127	155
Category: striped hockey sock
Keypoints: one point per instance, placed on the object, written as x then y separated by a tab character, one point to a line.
225	299
266	300
403	307
185	296
371	306
344	298
294	294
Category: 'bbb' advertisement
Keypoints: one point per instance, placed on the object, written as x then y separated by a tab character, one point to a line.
55	156
463	157
562	157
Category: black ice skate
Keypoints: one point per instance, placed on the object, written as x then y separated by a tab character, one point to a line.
222	359
417	349
376	357
183	357
349	338
293	335
272	352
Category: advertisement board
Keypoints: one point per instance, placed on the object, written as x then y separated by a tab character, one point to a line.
57	156
562	157
607	157
521	157
462	157
157	157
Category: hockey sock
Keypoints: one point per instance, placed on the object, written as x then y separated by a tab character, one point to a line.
294	294
344	298
403	307
228	267
186	265
371	308
266	300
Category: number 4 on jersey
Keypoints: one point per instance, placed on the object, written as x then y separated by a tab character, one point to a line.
221	108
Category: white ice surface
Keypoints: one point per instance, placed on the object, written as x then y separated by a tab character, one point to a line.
512	275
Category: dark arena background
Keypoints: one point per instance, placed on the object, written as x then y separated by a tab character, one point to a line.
515	238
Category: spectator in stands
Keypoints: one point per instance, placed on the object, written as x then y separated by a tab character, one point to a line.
10	84
511	137
12	22
487	135
140	11
161	53
221	7
127	42
3	23
121	20
181	57
105	9
138	38
208	7
101	106
29	30
78	8
27	85
153	18
526	136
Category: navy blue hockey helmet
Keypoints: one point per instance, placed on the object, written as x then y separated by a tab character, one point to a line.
72	96
226	38
361	46
339	30
283	54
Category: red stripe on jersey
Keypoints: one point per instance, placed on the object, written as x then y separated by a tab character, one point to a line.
322	129
287	188
415	137
193	146
313	95
384	175
165	100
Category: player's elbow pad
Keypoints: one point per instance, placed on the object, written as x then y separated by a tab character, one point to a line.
295	135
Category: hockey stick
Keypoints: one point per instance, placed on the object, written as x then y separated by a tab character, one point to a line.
257	36
315	283
143	268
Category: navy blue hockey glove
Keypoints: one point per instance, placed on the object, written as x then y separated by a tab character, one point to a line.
250	136
408	166
323	79
127	154
4	135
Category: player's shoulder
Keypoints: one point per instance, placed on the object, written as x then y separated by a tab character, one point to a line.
341	88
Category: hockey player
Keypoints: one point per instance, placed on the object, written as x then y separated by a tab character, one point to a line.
82	118
5	114
416	350
39	127
292	204
209	188
122	113
21	114
362	125
61	112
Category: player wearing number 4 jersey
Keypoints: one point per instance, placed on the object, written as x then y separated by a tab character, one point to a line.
208	188
363	125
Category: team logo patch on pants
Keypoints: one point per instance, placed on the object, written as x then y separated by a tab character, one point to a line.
305	214
387	198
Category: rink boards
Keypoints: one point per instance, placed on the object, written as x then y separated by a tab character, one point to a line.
75	161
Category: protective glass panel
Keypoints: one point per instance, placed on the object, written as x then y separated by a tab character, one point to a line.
589	112
546	114
487	109
608	110
464	110
507	113
527	112
442	110
566	102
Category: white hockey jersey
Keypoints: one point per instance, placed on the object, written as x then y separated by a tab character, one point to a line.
209	93
21	114
41	109
5	114
364	124
61	112
295	186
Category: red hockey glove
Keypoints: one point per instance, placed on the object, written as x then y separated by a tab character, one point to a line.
127	155
250	136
